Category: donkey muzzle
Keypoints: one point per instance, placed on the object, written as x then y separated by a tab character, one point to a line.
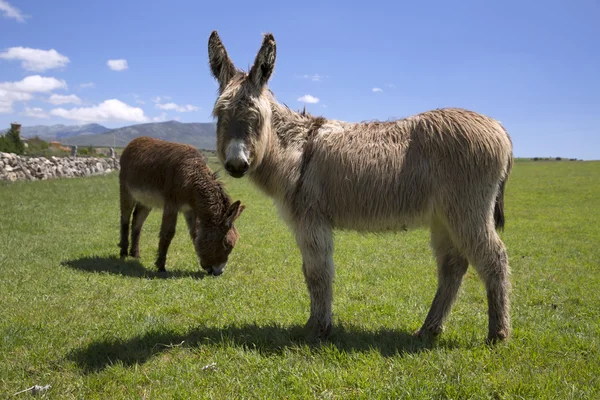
215	270
237	167
236	159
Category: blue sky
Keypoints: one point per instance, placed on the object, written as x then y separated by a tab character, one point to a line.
532	65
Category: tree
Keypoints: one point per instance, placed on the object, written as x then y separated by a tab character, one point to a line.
11	142
5	145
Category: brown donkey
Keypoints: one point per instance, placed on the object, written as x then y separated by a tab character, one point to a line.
445	169
175	177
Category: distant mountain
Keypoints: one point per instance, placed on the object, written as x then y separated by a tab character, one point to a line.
59	132
200	135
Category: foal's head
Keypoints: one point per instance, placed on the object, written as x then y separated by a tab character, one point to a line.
242	109
215	240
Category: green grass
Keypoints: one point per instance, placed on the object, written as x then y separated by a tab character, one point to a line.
94	327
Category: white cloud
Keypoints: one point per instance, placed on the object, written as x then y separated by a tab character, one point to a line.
314	77
377	90
88	85
34	83
109	110
173	106
20	91
158	99
307	98
57	99
117	65
10	11
35	113
176	107
35	59
7	98
324	105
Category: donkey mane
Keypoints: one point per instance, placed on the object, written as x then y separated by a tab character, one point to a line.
293	126
223	200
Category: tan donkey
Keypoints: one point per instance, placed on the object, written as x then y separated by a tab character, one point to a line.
175	177
445	169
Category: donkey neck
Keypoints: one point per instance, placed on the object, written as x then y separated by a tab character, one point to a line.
288	133
211	200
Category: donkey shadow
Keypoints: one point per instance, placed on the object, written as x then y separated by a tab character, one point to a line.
267	340
130	267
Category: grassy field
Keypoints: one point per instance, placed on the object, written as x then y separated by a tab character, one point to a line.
92	326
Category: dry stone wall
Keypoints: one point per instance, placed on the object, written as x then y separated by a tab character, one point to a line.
14	167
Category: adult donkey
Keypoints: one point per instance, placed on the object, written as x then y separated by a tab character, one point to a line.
445	169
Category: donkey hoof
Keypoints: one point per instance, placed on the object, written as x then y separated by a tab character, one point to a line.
160	266
325	331
497	337
427	334
318	330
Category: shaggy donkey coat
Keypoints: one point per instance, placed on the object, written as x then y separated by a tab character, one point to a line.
175	177
445	169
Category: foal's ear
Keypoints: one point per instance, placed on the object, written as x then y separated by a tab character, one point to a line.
234	212
265	62
220	64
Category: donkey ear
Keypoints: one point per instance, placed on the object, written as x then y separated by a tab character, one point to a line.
234	212
220	64
265	62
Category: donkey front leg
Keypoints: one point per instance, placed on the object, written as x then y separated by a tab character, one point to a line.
190	220
167	232
127	205
316	245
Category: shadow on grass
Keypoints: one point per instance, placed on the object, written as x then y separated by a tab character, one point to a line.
126	267
264	339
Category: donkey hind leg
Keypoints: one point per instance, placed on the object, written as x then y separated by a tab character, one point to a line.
167	231
316	245
127	204
486	252
452	266
140	213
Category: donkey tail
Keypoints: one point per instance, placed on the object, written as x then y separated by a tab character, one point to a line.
499	206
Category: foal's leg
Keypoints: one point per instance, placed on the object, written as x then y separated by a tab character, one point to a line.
167	231
452	266
127	203
190	220
139	217
315	241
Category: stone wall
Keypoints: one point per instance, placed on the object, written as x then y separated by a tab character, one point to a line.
14	167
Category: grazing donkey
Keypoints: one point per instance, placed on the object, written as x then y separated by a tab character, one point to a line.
175	177
445	169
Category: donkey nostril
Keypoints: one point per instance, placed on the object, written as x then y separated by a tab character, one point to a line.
237	166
